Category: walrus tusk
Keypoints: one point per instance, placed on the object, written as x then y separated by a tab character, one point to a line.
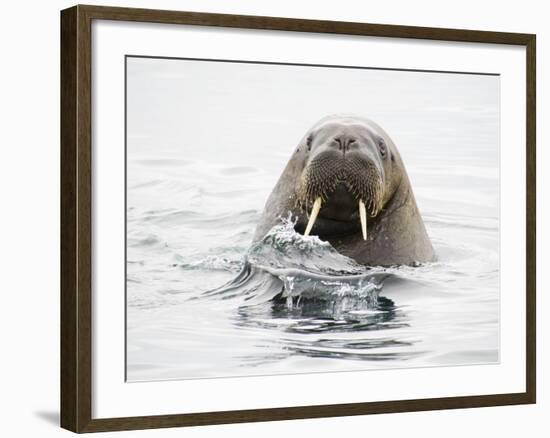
363	216
313	215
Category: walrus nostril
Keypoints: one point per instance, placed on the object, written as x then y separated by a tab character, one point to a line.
344	142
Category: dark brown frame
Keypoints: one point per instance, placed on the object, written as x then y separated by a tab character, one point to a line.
76	218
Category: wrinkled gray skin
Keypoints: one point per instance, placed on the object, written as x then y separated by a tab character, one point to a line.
348	158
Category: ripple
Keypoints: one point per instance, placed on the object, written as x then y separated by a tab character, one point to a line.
149	240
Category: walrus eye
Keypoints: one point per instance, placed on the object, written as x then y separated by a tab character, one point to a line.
308	142
382	147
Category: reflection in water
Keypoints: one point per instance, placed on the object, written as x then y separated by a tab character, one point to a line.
314	316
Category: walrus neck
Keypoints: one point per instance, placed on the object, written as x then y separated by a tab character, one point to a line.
401	197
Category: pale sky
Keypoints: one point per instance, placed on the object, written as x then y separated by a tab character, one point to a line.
247	113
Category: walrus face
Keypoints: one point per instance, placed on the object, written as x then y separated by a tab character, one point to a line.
347	175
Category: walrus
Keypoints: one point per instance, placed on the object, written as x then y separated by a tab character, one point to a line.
347	184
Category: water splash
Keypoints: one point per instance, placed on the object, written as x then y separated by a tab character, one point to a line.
287	267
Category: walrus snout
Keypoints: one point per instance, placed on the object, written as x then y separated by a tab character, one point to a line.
338	177
343	185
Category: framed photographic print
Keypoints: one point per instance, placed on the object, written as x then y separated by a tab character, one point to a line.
271	218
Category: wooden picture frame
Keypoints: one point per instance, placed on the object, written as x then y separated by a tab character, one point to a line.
76	217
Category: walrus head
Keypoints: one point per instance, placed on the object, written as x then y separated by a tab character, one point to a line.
350	171
345	179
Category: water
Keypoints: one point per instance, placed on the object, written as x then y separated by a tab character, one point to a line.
331	314
203	302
